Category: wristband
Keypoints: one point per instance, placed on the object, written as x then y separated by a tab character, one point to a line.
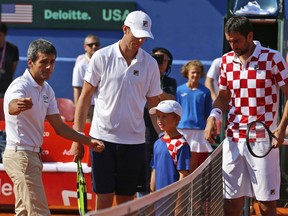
216	113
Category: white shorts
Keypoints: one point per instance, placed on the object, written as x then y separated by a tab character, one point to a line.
245	175
196	140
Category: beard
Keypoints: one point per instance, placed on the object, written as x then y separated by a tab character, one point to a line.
241	52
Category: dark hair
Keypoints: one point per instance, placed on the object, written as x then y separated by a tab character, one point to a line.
239	24
167	52
42	46
3	28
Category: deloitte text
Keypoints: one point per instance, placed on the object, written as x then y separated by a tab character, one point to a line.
66	15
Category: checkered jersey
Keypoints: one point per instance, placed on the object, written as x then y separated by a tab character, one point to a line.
173	146
253	88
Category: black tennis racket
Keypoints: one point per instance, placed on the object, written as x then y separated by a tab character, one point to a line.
81	190
259	139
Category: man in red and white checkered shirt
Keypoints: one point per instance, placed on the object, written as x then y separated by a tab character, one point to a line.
249	82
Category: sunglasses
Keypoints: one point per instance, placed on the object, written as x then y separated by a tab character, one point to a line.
91	44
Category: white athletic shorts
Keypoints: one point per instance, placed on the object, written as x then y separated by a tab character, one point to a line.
196	140
245	175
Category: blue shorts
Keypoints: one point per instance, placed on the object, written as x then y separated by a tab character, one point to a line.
119	169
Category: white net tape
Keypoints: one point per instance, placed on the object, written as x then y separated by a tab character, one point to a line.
200	193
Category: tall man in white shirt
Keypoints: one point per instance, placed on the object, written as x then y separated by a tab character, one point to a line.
124	77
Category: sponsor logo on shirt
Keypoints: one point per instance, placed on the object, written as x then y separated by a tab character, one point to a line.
45	98
256	67
136	72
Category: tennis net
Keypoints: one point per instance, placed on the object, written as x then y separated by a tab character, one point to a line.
200	193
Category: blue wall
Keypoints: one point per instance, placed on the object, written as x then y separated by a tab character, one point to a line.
189	29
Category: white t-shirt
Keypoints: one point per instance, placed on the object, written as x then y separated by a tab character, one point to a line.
214	72
121	94
27	128
79	71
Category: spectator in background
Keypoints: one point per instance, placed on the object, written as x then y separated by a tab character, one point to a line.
124	77
196	103
164	59
9	58
212	77
91	45
28	101
211	83
79	57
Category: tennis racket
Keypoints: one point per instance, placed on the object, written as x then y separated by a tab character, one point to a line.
259	139
81	190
